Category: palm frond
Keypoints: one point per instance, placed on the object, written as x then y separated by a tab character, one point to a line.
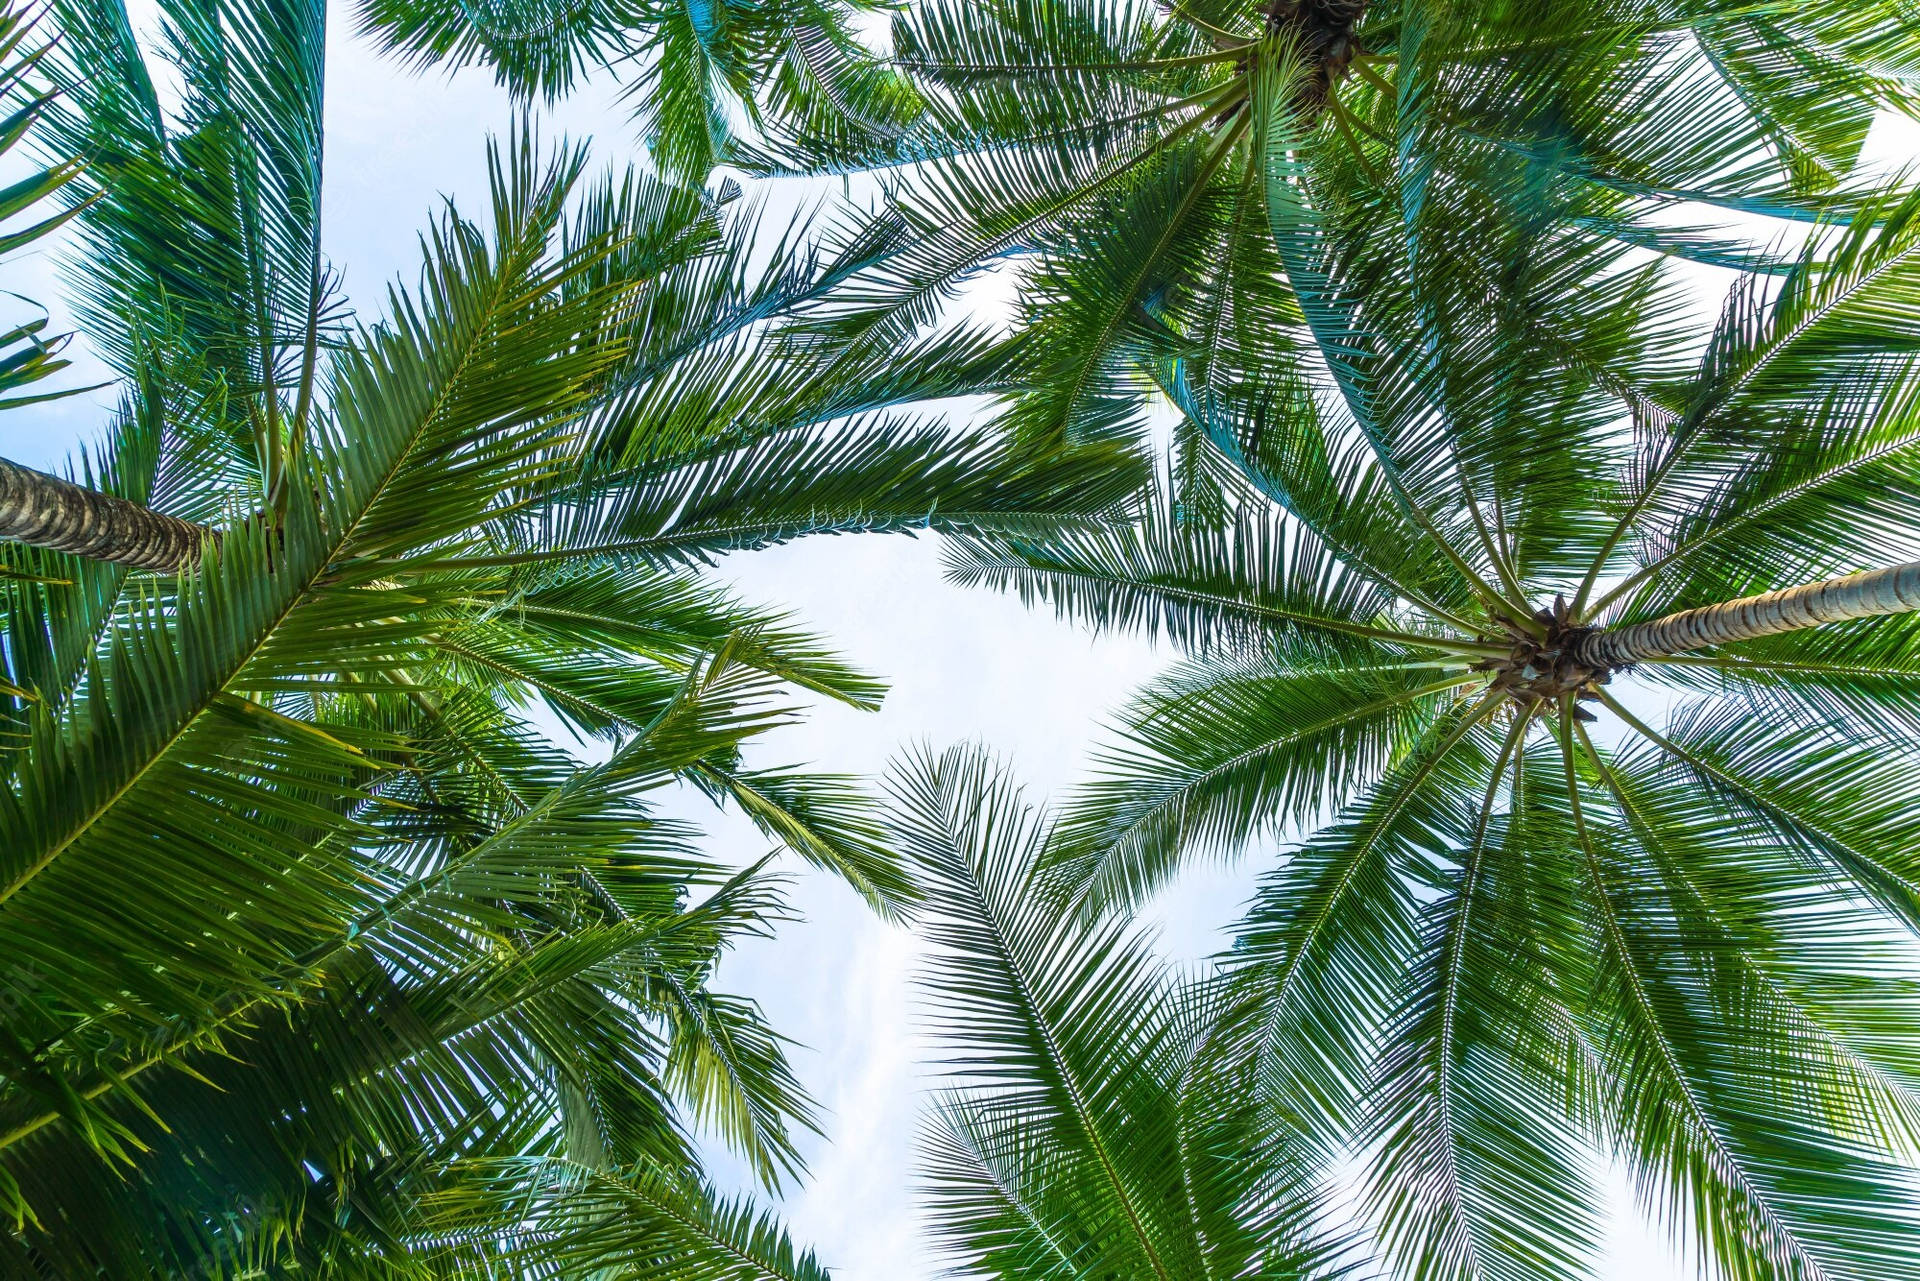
1766	1193
1221	755
1083	1136
575	1220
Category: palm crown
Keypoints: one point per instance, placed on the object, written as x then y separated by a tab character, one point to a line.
321	954
1683	937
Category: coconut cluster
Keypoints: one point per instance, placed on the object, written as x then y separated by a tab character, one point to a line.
1543	669
1324	32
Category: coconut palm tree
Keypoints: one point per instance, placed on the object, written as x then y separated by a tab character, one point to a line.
311	936
717	83
1164	171
1587	689
1085	1133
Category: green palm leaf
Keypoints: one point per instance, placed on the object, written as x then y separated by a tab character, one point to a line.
1086	1133
796	69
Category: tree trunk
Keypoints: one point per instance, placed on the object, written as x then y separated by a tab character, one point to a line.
1879	591
45	511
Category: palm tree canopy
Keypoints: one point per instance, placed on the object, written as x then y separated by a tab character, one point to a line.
1168	173
314	939
279	833
1684	935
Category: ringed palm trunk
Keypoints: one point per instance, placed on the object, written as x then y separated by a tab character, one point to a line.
1895	590
45	511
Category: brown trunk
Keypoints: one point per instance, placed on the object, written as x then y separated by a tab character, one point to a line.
1881	591
45	511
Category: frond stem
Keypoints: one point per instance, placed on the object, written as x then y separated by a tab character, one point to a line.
1674	869
1456	949
1454	645
1682	445
1071	68
1778	812
1720	530
1700	1122
1292	736
1517	595
1181	11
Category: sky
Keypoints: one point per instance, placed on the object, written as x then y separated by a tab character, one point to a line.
961	665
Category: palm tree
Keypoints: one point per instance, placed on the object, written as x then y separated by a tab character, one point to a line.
1087	1133
1511	929
794	73
314	944
1165	172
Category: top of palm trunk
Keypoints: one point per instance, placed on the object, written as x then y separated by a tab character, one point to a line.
1324	32
1555	655
1547	661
